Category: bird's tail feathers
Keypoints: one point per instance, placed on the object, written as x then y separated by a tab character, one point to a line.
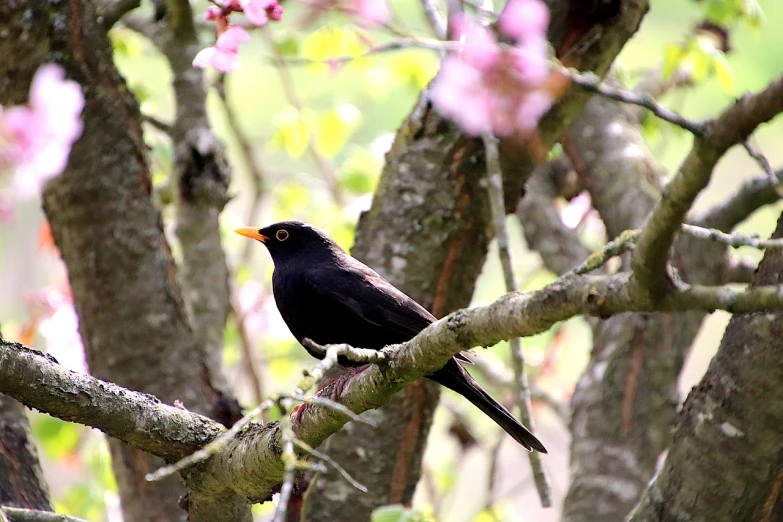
455	377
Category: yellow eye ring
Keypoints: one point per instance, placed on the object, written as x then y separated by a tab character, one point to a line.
281	235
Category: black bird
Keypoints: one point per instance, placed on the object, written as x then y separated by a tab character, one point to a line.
329	297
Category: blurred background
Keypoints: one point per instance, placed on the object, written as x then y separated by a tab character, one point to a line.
307	142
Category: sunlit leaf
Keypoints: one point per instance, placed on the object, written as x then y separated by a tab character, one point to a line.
673	56
57	438
335	127
412	68
360	171
723	72
331	42
292	130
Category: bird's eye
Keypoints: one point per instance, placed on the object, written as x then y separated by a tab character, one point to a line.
281	235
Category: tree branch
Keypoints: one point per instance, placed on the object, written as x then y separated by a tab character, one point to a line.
732	127
32	515
494	182
751	196
250	465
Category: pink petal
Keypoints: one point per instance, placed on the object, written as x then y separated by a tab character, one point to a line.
231	38
225	61
275	12
480	49
373	11
255	11
212	12
531	109
531	61
204	58
524	19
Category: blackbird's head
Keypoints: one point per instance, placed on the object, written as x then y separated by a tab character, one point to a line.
288	240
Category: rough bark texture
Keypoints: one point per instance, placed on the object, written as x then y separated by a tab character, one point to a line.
427	232
725	461
21	478
624	404
202	177
132	319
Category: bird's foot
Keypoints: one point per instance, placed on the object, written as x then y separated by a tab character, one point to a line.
337	386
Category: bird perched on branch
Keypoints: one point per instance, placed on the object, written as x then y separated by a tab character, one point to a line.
328	296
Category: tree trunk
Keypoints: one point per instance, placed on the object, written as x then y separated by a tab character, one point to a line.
725	460
428	232
135	329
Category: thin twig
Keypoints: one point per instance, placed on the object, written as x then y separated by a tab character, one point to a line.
222	441
246	346
495	190
494	452
33	515
735	240
434	18
765	166
626	240
593	83
502	377
158	124
289	457
329	460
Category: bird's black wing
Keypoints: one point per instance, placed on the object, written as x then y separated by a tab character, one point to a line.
372	299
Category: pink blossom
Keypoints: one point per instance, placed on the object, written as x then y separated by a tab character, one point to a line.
212	12
524	18
373	11
259	12
458	93
36	139
480	48
491	88
223	55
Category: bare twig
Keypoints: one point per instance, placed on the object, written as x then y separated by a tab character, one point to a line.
765	166
33	515
112	12
495	189
329	460
733	126
593	83
289	458
246	346
155	122
735	240
434	18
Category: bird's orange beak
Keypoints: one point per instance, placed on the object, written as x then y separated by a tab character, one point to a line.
252	233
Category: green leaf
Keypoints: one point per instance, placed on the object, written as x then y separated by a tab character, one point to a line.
360	171
330	42
392	513
723	72
57	438
335	127
673	57
292	130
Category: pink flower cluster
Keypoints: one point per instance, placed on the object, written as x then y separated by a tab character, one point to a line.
486	87
372	11
223	55
36	139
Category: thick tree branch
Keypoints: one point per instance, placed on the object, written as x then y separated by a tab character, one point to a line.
732	127
751	196
250	465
